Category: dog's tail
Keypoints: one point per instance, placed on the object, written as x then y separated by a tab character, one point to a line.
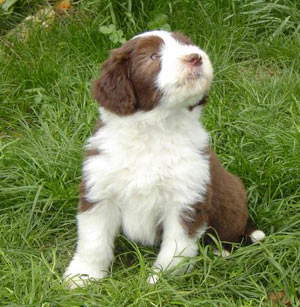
252	234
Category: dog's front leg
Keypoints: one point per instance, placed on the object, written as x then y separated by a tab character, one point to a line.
176	245
97	229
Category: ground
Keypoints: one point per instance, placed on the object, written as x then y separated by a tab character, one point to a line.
253	115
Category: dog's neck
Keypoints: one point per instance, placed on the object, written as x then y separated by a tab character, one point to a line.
159	116
176	127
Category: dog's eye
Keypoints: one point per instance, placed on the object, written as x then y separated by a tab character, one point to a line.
154	56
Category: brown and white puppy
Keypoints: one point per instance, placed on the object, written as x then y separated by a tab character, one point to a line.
149	171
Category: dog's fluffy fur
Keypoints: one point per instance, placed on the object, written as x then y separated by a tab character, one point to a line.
148	170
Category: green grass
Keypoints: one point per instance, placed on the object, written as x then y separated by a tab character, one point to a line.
253	116
14	11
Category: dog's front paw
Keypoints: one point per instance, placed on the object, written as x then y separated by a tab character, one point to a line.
223	253
80	273
152	279
76	281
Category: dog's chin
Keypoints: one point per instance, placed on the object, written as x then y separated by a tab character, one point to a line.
190	93
195	80
195	86
194	76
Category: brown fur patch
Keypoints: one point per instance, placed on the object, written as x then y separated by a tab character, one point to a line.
225	207
84	204
182	38
113	90
127	82
92	152
144	70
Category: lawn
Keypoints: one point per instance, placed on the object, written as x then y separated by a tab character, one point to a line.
253	115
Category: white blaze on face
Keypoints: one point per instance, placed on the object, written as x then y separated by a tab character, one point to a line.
181	83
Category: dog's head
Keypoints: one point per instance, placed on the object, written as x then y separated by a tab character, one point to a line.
154	68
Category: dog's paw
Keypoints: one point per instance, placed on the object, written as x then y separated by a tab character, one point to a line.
80	274
72	282
152	279
223	253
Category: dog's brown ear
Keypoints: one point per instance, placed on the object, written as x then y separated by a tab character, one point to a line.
114	90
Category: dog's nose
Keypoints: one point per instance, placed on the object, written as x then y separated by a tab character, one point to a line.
194	59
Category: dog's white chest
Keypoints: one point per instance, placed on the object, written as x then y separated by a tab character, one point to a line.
149	172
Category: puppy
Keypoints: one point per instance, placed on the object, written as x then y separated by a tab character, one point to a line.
148	170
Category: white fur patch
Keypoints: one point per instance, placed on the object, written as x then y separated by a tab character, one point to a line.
257	235
149	165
